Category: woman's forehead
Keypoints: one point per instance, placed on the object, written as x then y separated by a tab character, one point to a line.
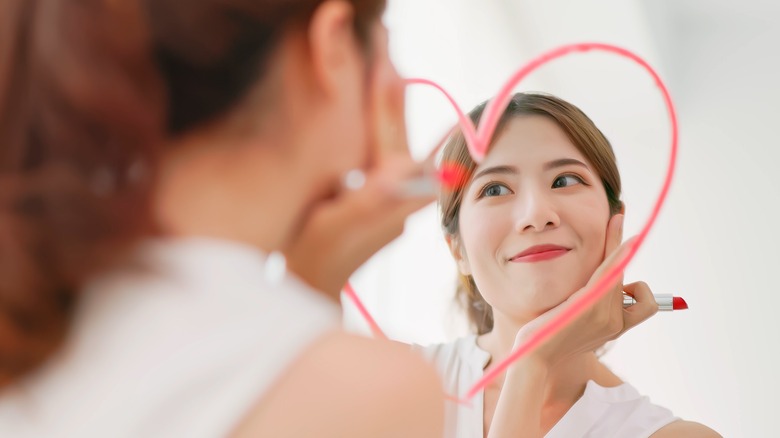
531	142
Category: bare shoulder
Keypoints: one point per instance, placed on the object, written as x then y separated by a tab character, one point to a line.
686	429
345	386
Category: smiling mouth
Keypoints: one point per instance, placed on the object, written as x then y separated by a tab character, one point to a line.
539	254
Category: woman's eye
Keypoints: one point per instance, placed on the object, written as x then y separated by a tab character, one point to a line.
566	181
495	190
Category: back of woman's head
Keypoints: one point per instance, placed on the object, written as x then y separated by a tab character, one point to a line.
90	90
582	133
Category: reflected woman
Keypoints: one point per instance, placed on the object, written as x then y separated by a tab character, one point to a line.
529	227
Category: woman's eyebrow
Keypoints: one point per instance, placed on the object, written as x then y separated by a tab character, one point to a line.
510	170
564	162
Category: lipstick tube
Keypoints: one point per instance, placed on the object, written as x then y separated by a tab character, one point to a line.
666	302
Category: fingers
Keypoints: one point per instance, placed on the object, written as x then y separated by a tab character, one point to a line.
613	240
613	250
614	234
376	212
349	228
644	308
609	310
616	256
402	192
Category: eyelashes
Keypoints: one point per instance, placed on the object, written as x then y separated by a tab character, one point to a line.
489	190
564	177
494	189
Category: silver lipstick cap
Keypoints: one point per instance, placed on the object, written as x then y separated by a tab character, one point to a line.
665	301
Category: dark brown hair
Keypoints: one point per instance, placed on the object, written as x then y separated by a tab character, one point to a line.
581	131
89	91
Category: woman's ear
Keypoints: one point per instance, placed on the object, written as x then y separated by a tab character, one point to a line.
333	45
456	249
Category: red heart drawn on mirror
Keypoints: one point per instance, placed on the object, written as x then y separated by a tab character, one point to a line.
478	140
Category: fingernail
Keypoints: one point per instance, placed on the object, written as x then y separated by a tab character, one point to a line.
628	244
355	179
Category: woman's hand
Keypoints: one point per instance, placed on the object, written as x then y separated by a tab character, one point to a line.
606	319
524	383
341	233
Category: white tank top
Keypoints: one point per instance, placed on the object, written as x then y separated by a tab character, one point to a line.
619	412
184	349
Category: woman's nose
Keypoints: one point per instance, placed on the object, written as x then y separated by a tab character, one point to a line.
535	212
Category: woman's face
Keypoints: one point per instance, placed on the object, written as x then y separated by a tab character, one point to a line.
533	220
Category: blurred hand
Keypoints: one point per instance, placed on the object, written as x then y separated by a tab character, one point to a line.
341	233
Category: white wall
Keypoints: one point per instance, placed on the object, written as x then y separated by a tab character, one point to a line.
717	238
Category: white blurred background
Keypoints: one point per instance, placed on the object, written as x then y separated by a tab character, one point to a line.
716	240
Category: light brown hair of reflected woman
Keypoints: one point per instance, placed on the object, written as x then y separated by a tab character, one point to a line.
579	129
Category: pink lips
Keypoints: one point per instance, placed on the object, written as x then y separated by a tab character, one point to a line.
539	253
